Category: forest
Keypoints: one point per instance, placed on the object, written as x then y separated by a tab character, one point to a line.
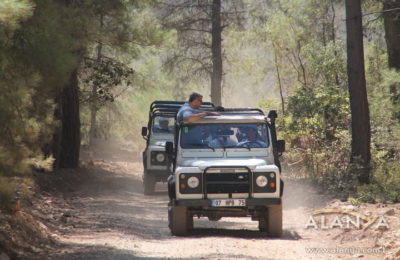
76	72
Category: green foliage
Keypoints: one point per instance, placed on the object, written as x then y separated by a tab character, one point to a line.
12	12
122	119
8	188
105	75
42	41
302	34
313	71
316	130
385	129
127	32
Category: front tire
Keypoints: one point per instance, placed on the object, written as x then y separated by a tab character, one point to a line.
275	221
179	221
149	184
272	222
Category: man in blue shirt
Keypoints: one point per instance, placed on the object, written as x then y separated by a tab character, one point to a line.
190	111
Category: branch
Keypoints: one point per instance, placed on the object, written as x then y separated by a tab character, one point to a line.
383	11
193	30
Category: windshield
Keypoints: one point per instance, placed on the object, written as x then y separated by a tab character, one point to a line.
163	125
224	136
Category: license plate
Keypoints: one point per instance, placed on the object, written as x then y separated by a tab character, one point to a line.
228	203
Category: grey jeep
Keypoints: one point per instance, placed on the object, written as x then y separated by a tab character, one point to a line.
160	129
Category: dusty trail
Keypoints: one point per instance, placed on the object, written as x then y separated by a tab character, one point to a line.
110	218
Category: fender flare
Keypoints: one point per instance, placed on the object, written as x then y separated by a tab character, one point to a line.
171	187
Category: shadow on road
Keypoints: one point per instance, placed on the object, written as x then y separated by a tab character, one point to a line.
244	234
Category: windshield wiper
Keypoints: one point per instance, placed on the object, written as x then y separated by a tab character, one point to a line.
211	147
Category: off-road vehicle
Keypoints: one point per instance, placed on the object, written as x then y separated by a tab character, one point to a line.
226	166
160	129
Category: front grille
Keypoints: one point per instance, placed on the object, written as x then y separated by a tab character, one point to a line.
217	183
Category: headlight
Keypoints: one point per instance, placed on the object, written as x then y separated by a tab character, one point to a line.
193	182
160	157
261	181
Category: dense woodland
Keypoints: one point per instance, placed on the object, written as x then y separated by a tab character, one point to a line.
76	71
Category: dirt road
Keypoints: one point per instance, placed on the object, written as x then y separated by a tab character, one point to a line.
106	216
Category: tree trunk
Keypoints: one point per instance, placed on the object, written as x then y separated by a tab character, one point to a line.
93	101
333	38
56	145
392	35
278	77
392	32
70	139
360	123
93	120
93	105
216	77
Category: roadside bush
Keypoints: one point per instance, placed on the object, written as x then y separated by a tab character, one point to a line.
8	189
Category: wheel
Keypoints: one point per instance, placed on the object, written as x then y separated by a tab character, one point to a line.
272	222
275	221
189	222
179	221
213	217
149	184
262	224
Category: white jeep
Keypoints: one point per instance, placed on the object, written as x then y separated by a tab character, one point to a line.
226	166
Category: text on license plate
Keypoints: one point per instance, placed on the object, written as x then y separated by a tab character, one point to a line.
228	203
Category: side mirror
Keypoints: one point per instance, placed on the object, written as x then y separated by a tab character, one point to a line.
280	146
272	114
144	131
169	148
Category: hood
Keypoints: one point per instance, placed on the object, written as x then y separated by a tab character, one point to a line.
159	145
202	164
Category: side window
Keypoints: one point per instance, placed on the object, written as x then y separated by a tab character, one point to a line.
263	132
163	125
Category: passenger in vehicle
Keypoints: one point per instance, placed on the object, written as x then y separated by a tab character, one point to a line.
241	134
253	139
163	126
222	139
206	135
190	112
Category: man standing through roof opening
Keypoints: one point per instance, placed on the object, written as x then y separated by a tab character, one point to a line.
190	111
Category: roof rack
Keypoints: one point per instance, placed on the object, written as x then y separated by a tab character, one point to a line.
241	110
160	106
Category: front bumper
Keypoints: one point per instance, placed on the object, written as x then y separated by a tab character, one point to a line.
207	202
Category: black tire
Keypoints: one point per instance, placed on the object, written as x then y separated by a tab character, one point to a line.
189	222
272	222
149	184
275	221
178	220
263	224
